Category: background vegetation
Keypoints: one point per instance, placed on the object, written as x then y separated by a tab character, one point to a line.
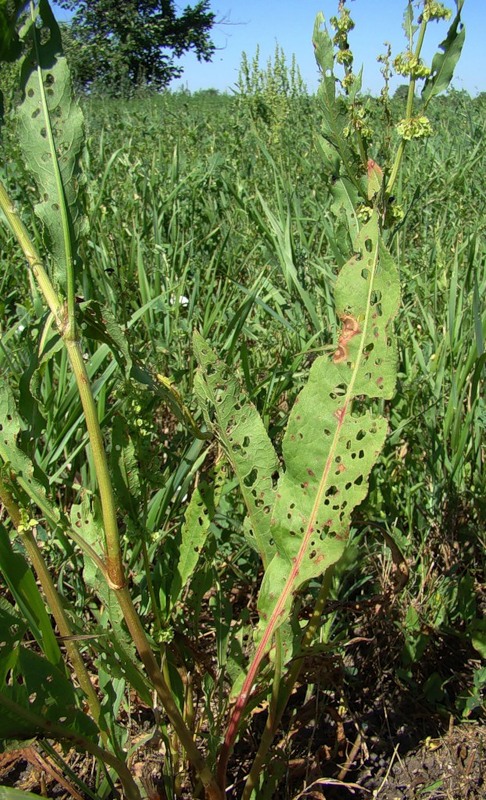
214	213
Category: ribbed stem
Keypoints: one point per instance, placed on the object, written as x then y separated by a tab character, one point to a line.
115	572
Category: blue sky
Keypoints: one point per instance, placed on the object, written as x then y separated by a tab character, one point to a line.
248	23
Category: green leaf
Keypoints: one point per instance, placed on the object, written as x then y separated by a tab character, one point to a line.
6	793
36	685
197	521
345	200
242	435
124	467
409	28
477	632
30	680
13	629
98	323
51	136
323	46
16	459
444	64
10	45
332	442
22	584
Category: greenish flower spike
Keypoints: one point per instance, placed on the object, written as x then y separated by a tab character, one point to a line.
343	23
433	10
348	81
408	64
414	128
344	57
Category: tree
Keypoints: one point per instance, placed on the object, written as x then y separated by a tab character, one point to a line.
118	46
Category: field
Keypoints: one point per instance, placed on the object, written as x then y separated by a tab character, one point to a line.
217	214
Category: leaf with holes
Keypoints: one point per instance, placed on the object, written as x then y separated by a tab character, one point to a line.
35	685
51	136
33	682
332	441
242	435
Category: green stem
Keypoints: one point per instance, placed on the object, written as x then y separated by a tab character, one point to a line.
113	559
53	601
150	587
55	606
20	232
408	113
115	573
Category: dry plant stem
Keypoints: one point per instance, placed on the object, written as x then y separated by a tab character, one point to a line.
53	602
113	561
53	730
274	719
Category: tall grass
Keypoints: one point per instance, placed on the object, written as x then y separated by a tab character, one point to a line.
216	214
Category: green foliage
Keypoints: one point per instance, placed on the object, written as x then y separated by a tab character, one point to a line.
21	582
35	685
311	514
443	64
237	329
116	49
51	138
10	13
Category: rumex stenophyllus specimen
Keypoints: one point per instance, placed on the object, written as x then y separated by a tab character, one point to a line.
333	438
298	506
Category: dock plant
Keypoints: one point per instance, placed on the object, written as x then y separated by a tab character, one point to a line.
298	492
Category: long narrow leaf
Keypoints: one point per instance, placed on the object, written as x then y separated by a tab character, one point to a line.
51	136
22	584
244	439
331	443
443	64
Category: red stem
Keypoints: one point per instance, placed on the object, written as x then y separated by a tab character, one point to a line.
277	613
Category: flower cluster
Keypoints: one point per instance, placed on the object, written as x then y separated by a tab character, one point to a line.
342	25
434	10
359	123
408	64
344	57
364	213
414	128
26	523
395	213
